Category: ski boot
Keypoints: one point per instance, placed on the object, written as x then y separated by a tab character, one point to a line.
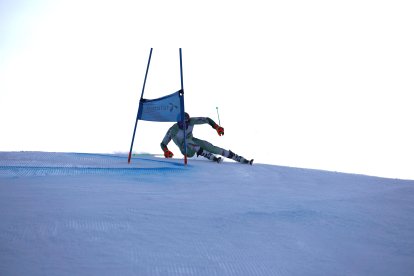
209	155
235	157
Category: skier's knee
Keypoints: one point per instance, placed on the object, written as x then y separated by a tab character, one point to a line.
190	152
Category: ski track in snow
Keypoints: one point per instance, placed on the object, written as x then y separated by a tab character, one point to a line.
94	214
63	164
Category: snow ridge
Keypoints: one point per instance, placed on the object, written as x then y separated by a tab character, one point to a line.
94	214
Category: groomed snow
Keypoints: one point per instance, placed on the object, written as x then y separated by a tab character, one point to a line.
91	214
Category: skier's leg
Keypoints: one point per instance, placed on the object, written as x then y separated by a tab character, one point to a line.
207	150
216	150
209	147
192	148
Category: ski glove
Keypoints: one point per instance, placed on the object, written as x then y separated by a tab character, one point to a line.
168	154
219	129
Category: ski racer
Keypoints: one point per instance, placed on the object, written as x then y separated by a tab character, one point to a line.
197	146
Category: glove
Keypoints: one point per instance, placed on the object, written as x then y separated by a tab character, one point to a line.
168	154
219	129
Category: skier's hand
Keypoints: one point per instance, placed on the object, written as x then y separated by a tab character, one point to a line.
219	129
168	154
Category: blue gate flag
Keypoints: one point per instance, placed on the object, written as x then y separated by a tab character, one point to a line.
164	109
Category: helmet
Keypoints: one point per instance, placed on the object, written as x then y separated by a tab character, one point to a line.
181	123
186	117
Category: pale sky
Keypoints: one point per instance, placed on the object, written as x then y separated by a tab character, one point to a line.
313	84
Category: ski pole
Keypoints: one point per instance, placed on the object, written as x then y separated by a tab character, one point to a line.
218	116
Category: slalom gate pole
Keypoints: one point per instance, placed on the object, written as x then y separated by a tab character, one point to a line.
183	109
142	95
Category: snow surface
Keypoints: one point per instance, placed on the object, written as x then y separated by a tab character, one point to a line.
91	214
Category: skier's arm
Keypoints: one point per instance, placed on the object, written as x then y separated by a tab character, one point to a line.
171	133
166	140
202	120
207	120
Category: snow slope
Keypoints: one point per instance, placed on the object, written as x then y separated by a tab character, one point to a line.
90	214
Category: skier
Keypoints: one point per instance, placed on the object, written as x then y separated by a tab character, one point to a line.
197	146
